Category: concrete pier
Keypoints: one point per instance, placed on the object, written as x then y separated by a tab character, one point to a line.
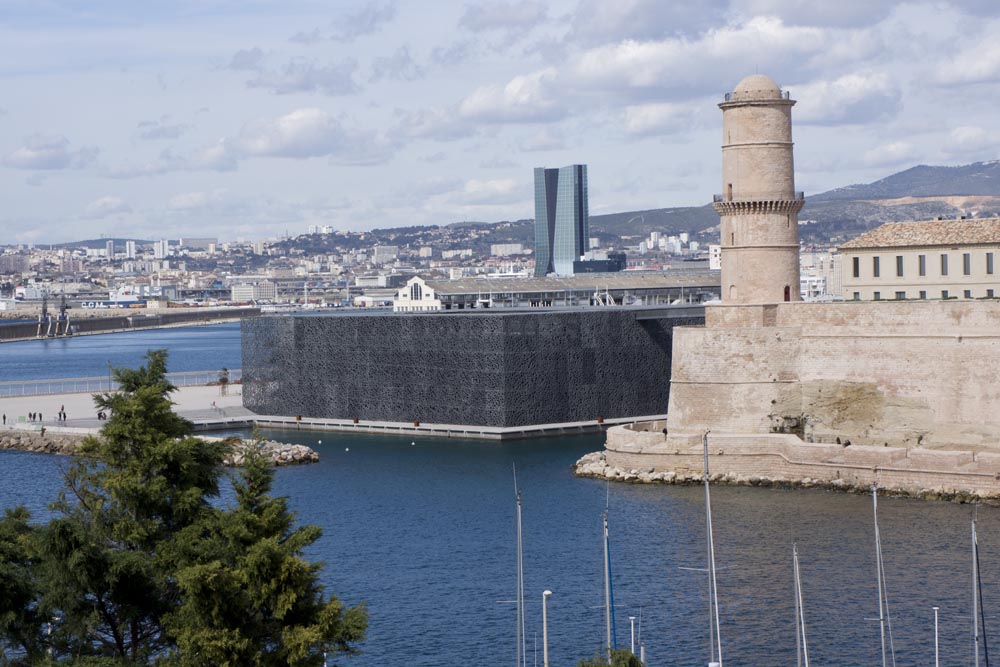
208	410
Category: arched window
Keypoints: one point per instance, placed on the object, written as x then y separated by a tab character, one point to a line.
788	293
416	293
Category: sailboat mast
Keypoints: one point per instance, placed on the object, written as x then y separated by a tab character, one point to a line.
714	634
607	589
878	570
520	650
798	628
800	617
975	591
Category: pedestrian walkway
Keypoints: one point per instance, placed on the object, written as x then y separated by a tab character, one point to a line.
198	404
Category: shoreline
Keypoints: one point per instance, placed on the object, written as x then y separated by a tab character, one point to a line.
594	466
644	453
63	442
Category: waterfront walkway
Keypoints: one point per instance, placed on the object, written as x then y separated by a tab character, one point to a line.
209	410
203	405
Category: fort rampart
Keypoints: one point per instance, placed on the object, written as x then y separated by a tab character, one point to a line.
899	393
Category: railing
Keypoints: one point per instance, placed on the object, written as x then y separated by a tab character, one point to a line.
784	95
798	195
102	383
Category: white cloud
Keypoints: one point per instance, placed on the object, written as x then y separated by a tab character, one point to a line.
524	99
441	123
306	133
657	118
300	134
853	98
498	162
543	140
682	67
842	13
497	191
519	16
602	22
973	63
161	129
50	152
892	153
400	66
189	200
972	142
303	76
247	59
364	21
107	206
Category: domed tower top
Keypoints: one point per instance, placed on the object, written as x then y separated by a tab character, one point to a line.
759	205
756	87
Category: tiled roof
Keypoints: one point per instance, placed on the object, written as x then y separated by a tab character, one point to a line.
951	232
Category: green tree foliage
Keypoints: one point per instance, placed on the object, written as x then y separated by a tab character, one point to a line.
619	658
139	567
107	566
20	618
250	599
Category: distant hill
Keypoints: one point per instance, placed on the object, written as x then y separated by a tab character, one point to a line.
979	178
919	193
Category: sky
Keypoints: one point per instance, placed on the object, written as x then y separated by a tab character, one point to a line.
251	119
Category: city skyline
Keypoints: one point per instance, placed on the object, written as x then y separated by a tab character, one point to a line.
249	119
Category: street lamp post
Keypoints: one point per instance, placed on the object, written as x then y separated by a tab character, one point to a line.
631	620
545	628
936	662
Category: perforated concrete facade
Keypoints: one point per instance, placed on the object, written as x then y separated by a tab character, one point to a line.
482	369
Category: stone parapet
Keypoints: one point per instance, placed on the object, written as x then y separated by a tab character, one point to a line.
785	459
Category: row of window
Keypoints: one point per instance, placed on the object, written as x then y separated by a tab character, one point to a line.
945	294
922	265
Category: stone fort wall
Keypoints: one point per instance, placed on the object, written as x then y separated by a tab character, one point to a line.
909	374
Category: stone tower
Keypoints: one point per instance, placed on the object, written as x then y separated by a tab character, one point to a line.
758	206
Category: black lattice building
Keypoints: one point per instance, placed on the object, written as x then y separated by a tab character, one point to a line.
498	369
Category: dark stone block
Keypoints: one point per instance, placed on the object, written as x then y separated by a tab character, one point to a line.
480	369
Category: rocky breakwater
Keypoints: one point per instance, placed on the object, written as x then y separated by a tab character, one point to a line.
34	441
56	442
280	453
595	465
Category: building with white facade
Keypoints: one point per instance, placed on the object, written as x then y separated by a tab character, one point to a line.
416	296
931	259
506	249
264	290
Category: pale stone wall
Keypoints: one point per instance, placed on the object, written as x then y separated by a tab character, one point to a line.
902	373
785	458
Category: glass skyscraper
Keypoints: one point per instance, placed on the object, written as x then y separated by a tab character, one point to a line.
562	218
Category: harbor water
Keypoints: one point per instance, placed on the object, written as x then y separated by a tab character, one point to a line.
423	531
195	348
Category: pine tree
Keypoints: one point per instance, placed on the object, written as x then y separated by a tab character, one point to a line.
107	558
251	599
20	619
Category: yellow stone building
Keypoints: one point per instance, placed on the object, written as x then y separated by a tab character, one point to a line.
929	259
